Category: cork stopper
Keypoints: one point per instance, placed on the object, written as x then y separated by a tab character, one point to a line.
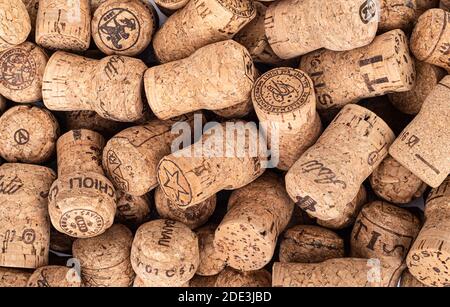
224	75
397	14
28	134
409	281
15	25
13	277
75	120
237	111
54	276
165	253
32	7
382	67
257	214
230	278
82	201
95	4
64	25
25	227
203	281
112	86
132	211
140	283
168	7
212	261
423	145
329	175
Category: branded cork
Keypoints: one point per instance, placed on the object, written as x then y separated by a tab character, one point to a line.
203	281
54	276
169	7
82	201
382	67
397	14
15	24
32	9
13	277
409	281
25	227
132	211
75	120
230	278
212	261
329	175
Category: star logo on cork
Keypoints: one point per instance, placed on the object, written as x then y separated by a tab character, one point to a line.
174	184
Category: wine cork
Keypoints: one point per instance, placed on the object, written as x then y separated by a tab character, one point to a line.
32	7
82	201
54	276
25	228
94	4
13	277
193	217
445	5
60	242
75	120
237	111
295	28
15	23
382	67
285	101
168	7
424	144
203	281
257	214
428	259
140	283
430	39
409	281
212	261
165	253
28	134
64	25
132	211
224	75
310	244
397	14
394	183
198	24
329	175
230	278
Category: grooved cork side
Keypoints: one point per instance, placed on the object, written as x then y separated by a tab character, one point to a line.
15	24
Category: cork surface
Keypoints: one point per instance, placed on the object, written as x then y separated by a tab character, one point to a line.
409	281
171	5
54	276
397	14
203	281
212	261
445	5
13	277
15	24
75	120
230	278
132	211
32	9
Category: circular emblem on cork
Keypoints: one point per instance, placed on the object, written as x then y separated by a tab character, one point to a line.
21	136
367	11
81	223
174	183
17	69
242	8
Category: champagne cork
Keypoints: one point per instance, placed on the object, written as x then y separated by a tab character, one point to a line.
25	227
15	24
237	111
212	261
32	8
284	99
168	7
165	253
75	120
54	276
430	39
310	244
13	277
94	4
202	281
445	5
140	283
214	77
428	259
132	211
21	72
257	214
329	175
60	242
397	14
409	281
28	134
382	67
82	201
394	183
424	144
64	25
111	86
193	217
294	28
230	278
200	23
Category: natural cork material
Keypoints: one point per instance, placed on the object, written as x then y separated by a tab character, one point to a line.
82	201
199	23
32	8
424	145
214	77
132	211
60	242
212	261
382	67
230	278
409	281
257	214
54	276
445	5
237	111
75	120
15	24
28	134
13	277
397	14
105	259
25	227
169	7
140	283
165	253
95	4
329	175
202	281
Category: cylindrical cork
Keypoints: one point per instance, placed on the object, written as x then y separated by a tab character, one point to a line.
423	147
285	103
430	39
237	111
445	5
64	25
140	283
13	277
193	216
409	281
54	276
310	244
25	227
397	14
28	134
212	261
123	27
32	8
329	175
82	201
394	183
294	28
168	7
230	278
257	214
60	242
95	4
132	211
15	24
112	86
75	120
202	281
214	77
428	259
21	72
165	253
198	24
382	67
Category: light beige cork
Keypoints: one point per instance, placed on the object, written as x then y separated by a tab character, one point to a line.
132	211
28	134
428	259
382	67
200	23
237	111
214	77
329	175
230	278
75	120
94	4
445	5
169	7
32	8
13	277
424	145
64	25
284	100
15	24
397	14
25	226
165	253
60	242
203	281
82	201
212	261
409	281
140	283
257	214
54	276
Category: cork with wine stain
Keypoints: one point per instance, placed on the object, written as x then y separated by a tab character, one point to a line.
132	211
54	276
15	24
13	277
231	278
212	260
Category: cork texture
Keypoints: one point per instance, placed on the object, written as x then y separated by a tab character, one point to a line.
132	211
203	281
54	276
76	120
409	281
13	277
32	9
15	24
212	261
397	14
230	278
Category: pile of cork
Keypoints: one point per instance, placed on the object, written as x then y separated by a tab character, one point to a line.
102	185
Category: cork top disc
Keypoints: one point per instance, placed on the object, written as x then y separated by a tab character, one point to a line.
174	183
241	8
15	24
